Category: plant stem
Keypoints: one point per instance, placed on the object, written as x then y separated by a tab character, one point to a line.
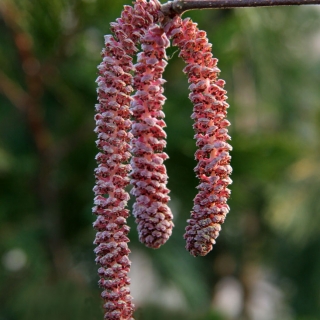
172	8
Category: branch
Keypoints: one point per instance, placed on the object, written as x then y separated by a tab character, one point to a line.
175	7
30	103
13	92
32	108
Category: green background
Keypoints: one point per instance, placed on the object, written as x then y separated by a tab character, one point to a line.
266	263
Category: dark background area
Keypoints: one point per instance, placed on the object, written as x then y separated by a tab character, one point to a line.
266	263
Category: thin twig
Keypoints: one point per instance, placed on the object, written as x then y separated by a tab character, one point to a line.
47	191
172	8
15	94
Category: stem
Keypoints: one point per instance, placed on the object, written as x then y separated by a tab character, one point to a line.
15	94
172	8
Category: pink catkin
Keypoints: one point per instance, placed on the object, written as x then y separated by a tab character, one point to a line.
149	176
209	113
112	126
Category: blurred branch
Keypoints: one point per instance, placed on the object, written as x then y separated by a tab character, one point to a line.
172	8
13	92
47	191
32	108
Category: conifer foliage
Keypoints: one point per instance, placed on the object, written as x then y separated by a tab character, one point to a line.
130	130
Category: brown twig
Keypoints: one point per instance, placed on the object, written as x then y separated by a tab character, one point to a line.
172	8
14	93
31	105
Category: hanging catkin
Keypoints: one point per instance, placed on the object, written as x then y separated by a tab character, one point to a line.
149	175
210	124
138	129
112	126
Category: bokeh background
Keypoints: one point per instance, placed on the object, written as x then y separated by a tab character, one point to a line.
266	263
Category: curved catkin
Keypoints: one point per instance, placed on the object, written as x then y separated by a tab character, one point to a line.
112	126
210	124
149	176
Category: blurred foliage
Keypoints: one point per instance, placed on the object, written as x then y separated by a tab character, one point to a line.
269	58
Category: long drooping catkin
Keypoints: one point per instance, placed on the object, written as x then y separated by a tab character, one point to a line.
209	113
139	129
149	176
112	126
